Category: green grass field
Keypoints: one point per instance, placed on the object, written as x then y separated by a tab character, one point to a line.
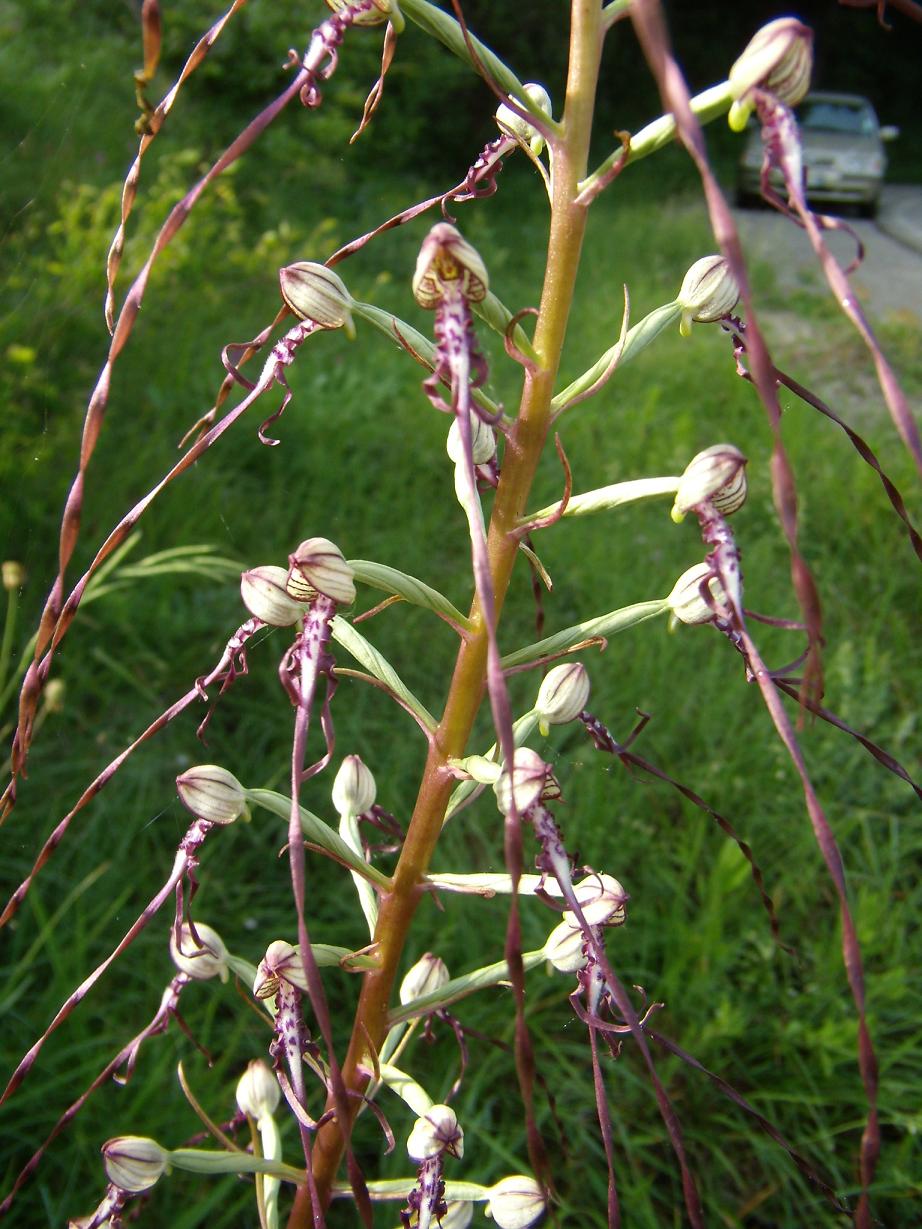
362	461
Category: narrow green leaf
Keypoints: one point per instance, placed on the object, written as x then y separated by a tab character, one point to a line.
414	591
318	833
207	1161
604	625
636	339
603	498
460	987
376	664
438	24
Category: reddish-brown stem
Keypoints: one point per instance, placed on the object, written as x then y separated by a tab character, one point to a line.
523	449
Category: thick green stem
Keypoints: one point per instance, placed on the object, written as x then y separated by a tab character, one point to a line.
523	450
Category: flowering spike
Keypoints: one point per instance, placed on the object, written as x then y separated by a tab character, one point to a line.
201	959
319	565
709	292
258	1091
513	125
369	12
265	596
516	1202
528	780
687	601
282	962
212	793
353	787
778	58
716	475
483	442
435	1133
133	1162
448	265
314	292
425	977
562	696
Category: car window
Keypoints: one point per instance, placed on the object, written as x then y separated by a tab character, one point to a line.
821	115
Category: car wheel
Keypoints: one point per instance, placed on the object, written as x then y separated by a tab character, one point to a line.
868	209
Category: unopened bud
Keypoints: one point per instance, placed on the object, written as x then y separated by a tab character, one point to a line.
282	962
425	977
264	595
709	292
134	1163
778	58
563	695
478	768
564	948
318	566
458	1216
447	264
687	601
527	781
513	125
483	441
202	959
314	292
516	1202
13	574
601	898
353	787
716	475
258	1091
212	793
437	1131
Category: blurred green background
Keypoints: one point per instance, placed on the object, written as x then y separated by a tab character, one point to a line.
362	461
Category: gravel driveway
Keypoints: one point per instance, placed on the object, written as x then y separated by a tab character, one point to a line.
888	281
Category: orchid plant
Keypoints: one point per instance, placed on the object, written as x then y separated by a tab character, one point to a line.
321	1070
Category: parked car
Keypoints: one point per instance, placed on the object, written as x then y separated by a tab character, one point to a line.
843	152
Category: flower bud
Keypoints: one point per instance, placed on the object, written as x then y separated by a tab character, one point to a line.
381	11
564	948
353	787
447	263
258	1091
314	292
515	1202
478	768
563	695
437	1131
212	793
264	595
718	475
778	58
483	441
282	962
709	292
320	566
529	777
601	899
425	977
134	1163
459	1215
13	574
513	125
687	602
202	960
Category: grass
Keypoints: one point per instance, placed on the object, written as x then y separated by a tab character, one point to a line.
362	461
